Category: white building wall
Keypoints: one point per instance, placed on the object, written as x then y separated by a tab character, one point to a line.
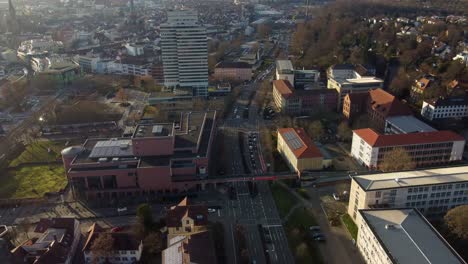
363	152
424	197
369	246
457	150
431	112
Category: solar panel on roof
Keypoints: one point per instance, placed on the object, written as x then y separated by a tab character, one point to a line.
157	129
293	140
296	143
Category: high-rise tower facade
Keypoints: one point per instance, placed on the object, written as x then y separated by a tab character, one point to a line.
184	49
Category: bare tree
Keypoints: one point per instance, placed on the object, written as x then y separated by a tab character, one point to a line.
397	159
456	220
315	130
344	132
102	246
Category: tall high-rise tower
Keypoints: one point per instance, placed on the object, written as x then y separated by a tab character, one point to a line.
12	22
184	48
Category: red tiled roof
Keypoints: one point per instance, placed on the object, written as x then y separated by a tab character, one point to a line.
423	83
199	214
375	139
284	87
308	149
387	104
121	240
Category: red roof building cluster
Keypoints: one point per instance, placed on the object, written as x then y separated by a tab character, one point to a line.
307	148
375	139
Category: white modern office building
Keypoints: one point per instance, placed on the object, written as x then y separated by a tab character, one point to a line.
403	236
432	191
345	79
444	108
285	71
184	50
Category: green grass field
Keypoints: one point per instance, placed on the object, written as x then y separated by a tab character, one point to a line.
38	152
283	199
350	225
32	181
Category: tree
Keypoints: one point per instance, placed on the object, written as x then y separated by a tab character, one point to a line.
456	221
42	82
152	246
263	31
315	130
344	132
145	216
400	85
102	247
397	159
122	95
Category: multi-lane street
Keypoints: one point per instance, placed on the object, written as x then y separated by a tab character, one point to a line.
254	211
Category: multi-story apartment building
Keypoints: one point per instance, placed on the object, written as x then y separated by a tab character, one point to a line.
345	79
298	150
445	108
126	248
285	71
291	101
189	239
307	79
129	66
377	104
403	236
184	48
432	191
235	71
158	158
425	148
300	78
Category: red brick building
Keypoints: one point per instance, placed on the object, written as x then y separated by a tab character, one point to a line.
289	100
239	71
377	104
158	158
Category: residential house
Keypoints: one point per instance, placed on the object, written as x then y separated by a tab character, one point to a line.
188	238
56	241
126	249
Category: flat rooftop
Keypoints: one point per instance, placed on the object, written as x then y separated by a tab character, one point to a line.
364	80
284	65
191	126
408	237
153	130
409	124
405	179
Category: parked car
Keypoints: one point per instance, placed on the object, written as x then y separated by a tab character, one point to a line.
211	210
336	197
